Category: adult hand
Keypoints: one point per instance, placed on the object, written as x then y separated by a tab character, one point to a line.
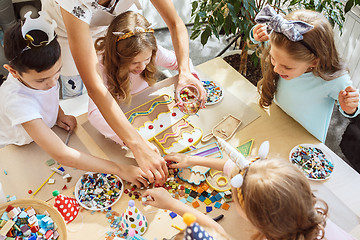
349	100
182	160
260	34
160	198
189	79
151	163
133	175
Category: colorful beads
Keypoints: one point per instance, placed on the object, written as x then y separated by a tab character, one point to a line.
214	92
312	161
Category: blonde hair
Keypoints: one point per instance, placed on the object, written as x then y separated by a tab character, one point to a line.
118	55
319	44
278	201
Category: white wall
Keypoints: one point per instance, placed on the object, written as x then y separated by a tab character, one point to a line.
183	8
348	44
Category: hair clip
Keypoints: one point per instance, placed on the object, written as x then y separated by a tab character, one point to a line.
122	35
240	160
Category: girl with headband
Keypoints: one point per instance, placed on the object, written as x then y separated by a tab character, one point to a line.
129	56
272	194
302	70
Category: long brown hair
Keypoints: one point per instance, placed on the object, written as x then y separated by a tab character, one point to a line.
320	40
118	55
278	201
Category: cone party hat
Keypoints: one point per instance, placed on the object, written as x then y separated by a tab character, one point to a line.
132	218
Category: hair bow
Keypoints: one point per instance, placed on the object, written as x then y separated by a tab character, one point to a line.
293	30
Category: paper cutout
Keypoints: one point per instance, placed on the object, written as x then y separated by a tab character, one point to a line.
159	120
218	180
246	147
196	174
225	129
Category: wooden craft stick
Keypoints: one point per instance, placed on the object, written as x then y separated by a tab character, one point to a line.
45	182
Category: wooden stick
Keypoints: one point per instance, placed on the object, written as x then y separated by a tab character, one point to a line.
45	182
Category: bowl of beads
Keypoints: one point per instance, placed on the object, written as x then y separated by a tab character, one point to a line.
31	219
98	191
214	92
188	100
313	160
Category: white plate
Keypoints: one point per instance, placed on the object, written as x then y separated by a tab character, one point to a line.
220	91
77	189
328	161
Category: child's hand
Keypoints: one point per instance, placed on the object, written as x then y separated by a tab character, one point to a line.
182	160
66	122
134	175
260	33
349	99
160	198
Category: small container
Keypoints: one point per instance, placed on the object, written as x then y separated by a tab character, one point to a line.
188	100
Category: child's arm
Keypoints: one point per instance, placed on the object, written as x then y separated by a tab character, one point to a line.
184	160
68	156
349	100
160	198
66	122
259	33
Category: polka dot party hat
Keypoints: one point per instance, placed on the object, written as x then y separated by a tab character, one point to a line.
132	218
193	230
67	206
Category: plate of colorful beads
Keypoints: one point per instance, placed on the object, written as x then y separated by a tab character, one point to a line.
214	92
313	160
98	191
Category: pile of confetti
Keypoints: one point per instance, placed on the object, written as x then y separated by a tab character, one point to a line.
214	92
312	161
25	223
98	190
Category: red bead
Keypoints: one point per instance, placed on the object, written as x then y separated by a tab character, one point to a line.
30	191
161	125
132	189
173	114
151	126
190	140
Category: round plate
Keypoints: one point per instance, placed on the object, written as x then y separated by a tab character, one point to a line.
80	186
40	207
313	160
214	92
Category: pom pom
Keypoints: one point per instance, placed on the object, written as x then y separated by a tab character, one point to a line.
131	203
189	218
237	181
132	232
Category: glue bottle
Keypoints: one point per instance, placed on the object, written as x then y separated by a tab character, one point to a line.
2	195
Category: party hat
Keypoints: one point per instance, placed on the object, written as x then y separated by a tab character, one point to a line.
67	206
132	218
193	230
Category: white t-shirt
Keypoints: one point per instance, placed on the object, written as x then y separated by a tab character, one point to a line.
20	104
